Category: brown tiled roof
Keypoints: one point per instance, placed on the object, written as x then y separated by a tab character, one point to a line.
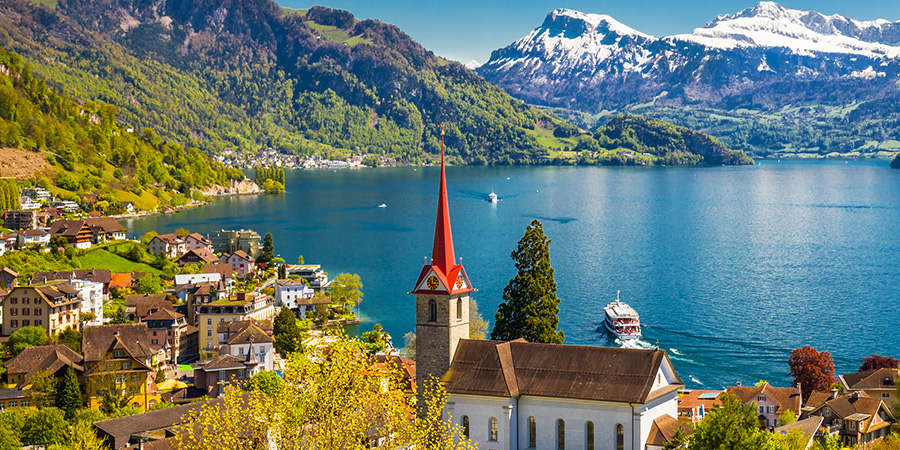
33	232
105	224
161	444
817	399
220	362
67	228
223	269
407	368
164	314
203	254
136	299
233	327
290	282
32	357
96	275
97	341
250	334
121	429
663	429
144	309
691	399
57	289
243	255
872	379
170	238
847	405
785	398
200	238
508	369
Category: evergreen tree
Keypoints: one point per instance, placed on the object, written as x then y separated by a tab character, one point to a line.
268	249
288	336
120	316
68	395
530	305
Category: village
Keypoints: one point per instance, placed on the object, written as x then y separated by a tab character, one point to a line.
146	354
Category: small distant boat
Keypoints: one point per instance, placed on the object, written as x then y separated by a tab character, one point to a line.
492	197
622	320
382	205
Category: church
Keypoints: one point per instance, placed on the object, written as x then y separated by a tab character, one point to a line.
520	395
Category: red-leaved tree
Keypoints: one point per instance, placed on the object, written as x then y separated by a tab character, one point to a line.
812	370
878	362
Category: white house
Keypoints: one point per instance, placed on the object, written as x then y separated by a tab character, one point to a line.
240	261
172	245
182	280
30	238
253	344
770	401
196	241
521	395
298	297
91	293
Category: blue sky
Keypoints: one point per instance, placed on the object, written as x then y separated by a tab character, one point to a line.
464	30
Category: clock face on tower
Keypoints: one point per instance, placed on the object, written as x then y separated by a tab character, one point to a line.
432	282
459	282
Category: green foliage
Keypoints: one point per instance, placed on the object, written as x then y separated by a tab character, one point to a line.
120	316
161	405
45	427
72	337
530	306
68	395
268	249
149	284
786	418
27	262
9	193
275	174
733	426
26	337
43	388
794	439
82	437
160	375
266	381
346	289
828	442
374	341
288	336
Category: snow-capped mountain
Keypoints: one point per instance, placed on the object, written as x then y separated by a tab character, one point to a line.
592	62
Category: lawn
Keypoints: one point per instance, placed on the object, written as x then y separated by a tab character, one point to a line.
100	258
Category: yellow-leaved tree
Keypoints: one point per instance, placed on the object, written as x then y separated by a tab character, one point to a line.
334	397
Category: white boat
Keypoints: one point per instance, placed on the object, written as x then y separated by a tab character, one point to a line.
382	205
492	197
622	320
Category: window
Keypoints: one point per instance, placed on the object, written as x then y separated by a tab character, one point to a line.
459	309
885	395
26	323
126	365
620	437
761	398
465	426
134	376
589	435
13	404
25	312
532	432
762	409
37	311
15	300
14	323
209	320
155	341
25	301
851	425
432	310
38	322
560	434
26	403
209	331
14	311
492	427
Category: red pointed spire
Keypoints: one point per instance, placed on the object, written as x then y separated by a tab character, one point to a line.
442	255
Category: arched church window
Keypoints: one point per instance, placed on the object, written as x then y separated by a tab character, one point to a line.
465	426
560	434
432	310
620	437
459	309
589	435
532	432
493	427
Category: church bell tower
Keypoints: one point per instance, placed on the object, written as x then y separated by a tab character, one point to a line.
442	297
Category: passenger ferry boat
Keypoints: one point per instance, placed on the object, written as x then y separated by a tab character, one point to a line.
622	320
492	197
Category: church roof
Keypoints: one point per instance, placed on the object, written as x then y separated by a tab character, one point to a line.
513	368
451	276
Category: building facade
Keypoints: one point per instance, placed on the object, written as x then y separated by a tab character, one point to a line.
53	307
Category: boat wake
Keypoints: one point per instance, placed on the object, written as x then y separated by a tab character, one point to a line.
695	380
675	351
636	343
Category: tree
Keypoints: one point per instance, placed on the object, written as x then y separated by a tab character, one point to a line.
183	232
732	426
374	341
149	284
477	325
530	305
82	437
43	388
120	316
26	337
329	400
268	249
267	382
147	237
878	362
72	337
346	289
58	241
409	343
68	395
45	427
288	337
812	370
786	418
160	375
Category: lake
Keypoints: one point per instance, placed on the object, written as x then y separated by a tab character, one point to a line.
731	268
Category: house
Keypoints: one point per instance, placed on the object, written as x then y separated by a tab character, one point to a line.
876	383
77	232
241	263
55	358
230	241
150	427
128	206
809	427
20	219
196	241
856	418
407	369
48	216
54	307
315	277
253	344
519	395
8	278
664	431
32	238
226	330
120	280
171	245
212	375
246	305
200	294
167	329
12	397
138	305
695	404
770	401
105	229
224	270
118	359
91	293
9	241
185	283
197	256
298	297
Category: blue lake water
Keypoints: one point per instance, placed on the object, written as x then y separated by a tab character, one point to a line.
731	268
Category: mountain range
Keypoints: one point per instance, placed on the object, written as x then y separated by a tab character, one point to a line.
807	73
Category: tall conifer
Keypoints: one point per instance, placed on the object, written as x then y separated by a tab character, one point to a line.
68	395
530	305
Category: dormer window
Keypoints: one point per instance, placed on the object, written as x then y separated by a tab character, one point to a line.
761	398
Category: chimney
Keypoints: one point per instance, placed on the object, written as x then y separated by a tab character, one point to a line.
738	384
116	333
854	397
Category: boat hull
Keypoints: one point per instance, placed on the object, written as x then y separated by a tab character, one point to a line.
623	336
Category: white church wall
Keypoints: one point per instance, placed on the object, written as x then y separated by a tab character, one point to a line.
480	410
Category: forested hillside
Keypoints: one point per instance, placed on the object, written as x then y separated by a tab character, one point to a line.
89	151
